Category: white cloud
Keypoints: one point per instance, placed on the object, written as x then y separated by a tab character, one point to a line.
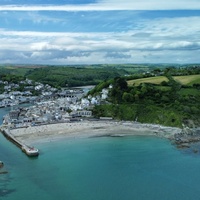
156	40
39	18
104	5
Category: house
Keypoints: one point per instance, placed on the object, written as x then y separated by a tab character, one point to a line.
85	113
85	102
14	114
104	94
7	87
39	87
81	113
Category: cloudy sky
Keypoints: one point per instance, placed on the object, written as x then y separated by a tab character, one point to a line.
99	31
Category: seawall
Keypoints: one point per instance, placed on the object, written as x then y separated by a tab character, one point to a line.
29	151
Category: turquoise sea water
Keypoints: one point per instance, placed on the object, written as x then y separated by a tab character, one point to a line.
103	168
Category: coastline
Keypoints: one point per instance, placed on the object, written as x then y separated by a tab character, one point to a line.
84	129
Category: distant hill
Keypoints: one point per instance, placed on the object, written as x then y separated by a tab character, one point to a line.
62	76
77	75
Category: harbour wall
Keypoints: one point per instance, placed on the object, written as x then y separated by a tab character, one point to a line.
25	148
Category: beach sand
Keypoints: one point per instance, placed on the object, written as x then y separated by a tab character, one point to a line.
51	132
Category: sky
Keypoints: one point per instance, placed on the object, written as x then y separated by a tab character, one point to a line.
99	31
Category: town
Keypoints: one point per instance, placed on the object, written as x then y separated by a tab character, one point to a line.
49	106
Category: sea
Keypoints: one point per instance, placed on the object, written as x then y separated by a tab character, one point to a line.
103	168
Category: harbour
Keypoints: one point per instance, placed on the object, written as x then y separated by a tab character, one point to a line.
139	167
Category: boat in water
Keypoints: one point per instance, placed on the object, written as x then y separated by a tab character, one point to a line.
1	164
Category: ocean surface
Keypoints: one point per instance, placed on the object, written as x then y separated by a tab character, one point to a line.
104	168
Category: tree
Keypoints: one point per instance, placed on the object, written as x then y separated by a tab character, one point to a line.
120	83
127	97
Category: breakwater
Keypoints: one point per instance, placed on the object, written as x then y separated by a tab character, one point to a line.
29	151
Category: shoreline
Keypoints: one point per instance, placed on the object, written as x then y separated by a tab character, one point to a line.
85	129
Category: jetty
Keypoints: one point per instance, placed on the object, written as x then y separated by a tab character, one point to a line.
29	151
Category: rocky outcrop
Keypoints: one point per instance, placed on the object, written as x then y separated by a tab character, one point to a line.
187	136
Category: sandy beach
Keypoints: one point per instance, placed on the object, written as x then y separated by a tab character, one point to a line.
85	128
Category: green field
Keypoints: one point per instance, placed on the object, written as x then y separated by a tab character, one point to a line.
154	80
189	91
184	80
188	80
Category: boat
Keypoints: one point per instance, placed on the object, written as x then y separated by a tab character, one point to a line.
1	164
30	151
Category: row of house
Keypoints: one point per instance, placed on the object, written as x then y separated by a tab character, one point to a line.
44	92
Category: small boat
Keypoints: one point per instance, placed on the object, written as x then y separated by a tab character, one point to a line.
30	151
1	164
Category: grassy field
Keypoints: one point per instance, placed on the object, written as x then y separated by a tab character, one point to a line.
184	80
154	80
188	80
189	91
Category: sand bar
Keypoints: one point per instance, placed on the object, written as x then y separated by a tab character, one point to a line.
86	128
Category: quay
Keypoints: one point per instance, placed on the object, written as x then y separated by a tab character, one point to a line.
29	151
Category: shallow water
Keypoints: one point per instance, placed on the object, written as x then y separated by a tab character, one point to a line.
105	168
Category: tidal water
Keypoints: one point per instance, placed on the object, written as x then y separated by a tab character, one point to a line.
104	168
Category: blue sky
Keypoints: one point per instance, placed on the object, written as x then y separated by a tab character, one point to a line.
100	31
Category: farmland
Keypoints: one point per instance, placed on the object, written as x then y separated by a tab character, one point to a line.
184	80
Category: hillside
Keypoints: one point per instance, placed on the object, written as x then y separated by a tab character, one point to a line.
167	100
